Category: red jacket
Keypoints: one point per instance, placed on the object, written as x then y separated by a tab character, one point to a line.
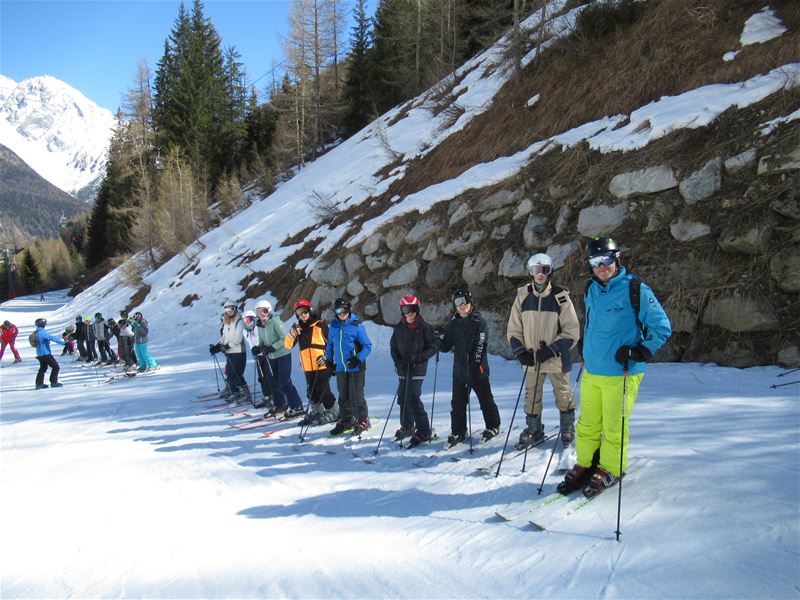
9	334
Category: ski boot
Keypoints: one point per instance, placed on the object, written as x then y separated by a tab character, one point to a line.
567	427
533	433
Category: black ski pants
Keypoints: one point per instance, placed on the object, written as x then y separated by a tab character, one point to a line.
461	391
352	404
48	360
412	411
318	388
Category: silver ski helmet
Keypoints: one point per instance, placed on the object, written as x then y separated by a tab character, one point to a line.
540	264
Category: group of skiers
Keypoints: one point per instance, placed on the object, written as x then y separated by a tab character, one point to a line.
624	326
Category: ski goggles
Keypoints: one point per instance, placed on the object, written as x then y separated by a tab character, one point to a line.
248	319
342	310
231	308
409	308
601	260
535	270
301	311
460	301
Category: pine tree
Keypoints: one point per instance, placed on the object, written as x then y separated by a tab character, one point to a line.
357	91
29	273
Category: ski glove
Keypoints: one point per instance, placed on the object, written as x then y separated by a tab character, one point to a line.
256	350
544	353
320	361
526	358
637	353
331	365
353	362
215	348
268	349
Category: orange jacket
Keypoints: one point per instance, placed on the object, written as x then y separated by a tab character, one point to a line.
312	338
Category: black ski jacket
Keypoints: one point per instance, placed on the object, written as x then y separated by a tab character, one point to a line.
468	338
412	346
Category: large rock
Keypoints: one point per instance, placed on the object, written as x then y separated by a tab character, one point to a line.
742	161
702	184
431	251
686	230
512	265
751	239
490	216
403	276
439	271
779	163
334	275
375	262
524	208
437	314
499	199
394	238
476	268
659	215
534	235
740	314
500	232
460	213
323	296
600	220
465	244
564	213
560	252
645	181
372	244
422	231
785	270
352	262
355	287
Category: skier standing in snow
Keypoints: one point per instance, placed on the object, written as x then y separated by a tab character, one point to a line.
412	344
126	350
271	335
8	335
250	333
231	342
141	337
107	355
346	354
91	351
80	338
69	340
310	333
542	328
617	341
467	335
45	357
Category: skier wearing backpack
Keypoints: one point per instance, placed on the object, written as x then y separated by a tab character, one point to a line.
542	328
412	344
310	333
467	335
346	354
45	357
278	373
617	342
8	335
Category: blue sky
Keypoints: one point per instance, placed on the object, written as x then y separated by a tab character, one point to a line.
95	46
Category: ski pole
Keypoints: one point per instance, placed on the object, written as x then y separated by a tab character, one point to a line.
558	436
535	391
510	425
469	418
788	372
404	407
433	400
622	444
352	385
777	385
391	406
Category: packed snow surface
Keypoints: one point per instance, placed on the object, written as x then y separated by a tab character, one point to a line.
136	489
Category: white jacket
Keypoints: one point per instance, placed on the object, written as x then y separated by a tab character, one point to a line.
233	337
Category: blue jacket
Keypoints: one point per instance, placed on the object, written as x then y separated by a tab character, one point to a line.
43	340
610	324
345	339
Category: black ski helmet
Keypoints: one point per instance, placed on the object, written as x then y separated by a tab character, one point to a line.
342	303
464	294
40	322
601	246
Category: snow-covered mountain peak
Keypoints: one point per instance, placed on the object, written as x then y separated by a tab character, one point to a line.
58	131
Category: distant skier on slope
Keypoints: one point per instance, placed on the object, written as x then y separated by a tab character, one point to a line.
8	335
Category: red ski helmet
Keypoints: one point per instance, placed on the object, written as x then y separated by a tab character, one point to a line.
303	303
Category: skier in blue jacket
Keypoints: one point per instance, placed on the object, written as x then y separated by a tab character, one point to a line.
346	354
45	357
617	341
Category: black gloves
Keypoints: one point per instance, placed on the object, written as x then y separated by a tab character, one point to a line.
353	362
215	348
637	353
321	360
544	353
331	366
267	349
526	358
256	350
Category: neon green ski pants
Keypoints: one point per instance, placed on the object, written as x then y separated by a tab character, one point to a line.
600	421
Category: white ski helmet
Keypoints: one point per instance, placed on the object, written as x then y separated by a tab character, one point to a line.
249	319
540	264
264	304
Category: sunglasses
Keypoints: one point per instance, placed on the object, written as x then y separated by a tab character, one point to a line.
409	308
301	311
604	259
342	310
460	301
535	270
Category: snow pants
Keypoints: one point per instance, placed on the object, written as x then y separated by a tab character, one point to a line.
412	411
458	405
352	403
318	388
48	360
600	421
234	369
279	375
13	349
533	397
143	355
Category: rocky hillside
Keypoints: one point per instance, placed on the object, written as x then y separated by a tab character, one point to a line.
673	127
